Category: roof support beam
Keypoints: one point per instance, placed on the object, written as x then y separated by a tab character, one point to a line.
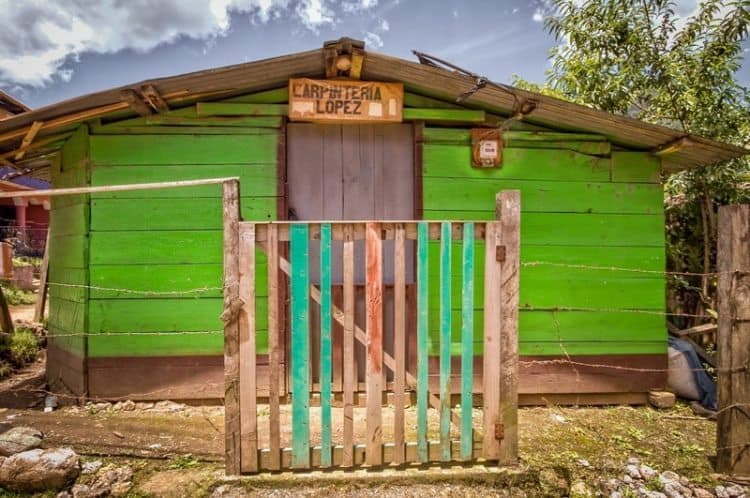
136	102
28	138
154	98
671	147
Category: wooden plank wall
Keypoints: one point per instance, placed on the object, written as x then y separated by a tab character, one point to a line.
163	248
577	209
68	275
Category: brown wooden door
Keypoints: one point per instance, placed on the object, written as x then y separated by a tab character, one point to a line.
352	172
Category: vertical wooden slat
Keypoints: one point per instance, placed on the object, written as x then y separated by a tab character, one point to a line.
467	342
41	301
399	343
445	340
374	329
422	339
248	410
491	355
349	372
300	368
325	345
508	211
733	341
274	348
231	217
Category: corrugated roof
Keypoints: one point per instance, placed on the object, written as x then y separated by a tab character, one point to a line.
61	117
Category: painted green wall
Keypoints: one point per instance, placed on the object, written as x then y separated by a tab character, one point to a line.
69	244
156	256
576	209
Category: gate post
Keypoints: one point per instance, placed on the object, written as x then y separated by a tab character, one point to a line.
733	341
232	303
508	213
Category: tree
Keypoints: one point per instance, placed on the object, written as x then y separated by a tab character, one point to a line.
639	58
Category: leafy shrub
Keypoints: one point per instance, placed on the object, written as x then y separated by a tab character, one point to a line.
23	346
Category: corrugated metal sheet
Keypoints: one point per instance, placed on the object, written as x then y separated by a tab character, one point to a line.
275	72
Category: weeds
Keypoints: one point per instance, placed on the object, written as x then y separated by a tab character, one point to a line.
181	462
23	347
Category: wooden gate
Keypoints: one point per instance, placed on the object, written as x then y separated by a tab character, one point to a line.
301	436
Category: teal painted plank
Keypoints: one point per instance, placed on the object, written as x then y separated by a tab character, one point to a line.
467	342
325	345
300	361
445	340
469	194
422	338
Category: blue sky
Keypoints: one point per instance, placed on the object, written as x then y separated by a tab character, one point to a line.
58	49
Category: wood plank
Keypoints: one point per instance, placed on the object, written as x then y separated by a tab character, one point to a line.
41	301
733	340
349	372
300	346
444	115
170	247
399	345
275	344
268	124
508	211
325	345
635	167
210	109
374	329
467	342
422	339
189	128
248	373
492	337
539	196
445	338
273	96
183	149
232	430
463	136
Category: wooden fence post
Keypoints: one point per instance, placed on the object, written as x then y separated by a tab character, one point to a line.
508	212
733	341
232	303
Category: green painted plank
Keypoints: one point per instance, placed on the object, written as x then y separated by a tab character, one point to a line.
463	136
69	220
544	196
444	115
63	201
70	251
192	127
636	167
188	116
415	100
183	149
61	274
77	177
574	229
454	161
172	214
168	247
76	149
273	96
422	338
68	291
445	340
166	344
61	339
467	342
255	180
156	315
326	358
212	109
548	327
300	346
68	315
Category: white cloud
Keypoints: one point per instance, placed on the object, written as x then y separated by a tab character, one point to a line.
538	16
42	39
373	40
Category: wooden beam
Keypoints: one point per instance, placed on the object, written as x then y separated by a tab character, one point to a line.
26	142
136	102
671	147
41	300
154	98
224	109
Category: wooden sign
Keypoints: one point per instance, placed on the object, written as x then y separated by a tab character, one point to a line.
486	147
345	101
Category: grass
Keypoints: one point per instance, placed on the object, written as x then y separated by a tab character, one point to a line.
15	296
23	346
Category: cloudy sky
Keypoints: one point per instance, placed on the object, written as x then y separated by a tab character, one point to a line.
51	50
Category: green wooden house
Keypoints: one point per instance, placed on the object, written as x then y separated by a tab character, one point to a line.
136	277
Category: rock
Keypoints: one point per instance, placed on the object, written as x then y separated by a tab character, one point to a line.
121	488
580	490
735	491
227	491
612	485
615	494
40	470
99	407
647	472
632	471
553	482
669	477
91	467
583	462
661	399
633	461
702	493
721	492
673	489
144	405
19	439
627	479
125	406
63	494
169	406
